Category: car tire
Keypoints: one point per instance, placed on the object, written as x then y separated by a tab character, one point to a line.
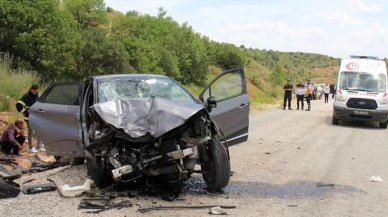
384	125
216	171
98	173
334	120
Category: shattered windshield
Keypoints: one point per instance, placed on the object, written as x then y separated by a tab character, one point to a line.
130	88
363	81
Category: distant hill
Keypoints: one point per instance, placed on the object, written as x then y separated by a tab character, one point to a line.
295	66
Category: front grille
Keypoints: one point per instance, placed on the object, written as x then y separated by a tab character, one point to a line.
358	103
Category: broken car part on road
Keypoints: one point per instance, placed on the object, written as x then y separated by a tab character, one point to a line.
38	188
150	209
9	189
74	191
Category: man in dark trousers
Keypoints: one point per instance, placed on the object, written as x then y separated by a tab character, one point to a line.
12	139
23	105
287	95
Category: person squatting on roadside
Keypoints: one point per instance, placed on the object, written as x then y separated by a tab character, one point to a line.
287	94
300	94
23	105
327	93
12	139
309	94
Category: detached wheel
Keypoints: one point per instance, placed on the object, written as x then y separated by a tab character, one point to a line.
334	120
384	125
98	172
216	171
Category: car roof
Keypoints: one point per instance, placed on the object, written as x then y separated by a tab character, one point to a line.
128	76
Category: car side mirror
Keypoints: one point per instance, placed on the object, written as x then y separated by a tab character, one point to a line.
211	103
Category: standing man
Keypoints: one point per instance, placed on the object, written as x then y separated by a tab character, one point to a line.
287	94
23	105
332	90
309	94
12	139
300	94
327	93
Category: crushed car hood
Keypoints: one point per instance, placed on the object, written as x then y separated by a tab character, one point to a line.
139	117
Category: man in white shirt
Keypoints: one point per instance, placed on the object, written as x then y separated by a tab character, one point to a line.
326	91
300	94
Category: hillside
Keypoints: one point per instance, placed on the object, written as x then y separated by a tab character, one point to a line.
295	66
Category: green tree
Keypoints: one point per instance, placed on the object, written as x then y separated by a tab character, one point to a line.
226	55
100	52
87	13
39	35
161	45
277	77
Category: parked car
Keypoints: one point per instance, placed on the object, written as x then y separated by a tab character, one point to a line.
145	128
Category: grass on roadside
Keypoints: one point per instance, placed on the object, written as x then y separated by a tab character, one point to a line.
13	83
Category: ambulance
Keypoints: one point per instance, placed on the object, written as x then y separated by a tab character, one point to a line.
362	92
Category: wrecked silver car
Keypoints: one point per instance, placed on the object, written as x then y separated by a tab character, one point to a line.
145	128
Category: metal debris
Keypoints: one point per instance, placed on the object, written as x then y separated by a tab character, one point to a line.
38	188
149	209
100	207
95	203
9	189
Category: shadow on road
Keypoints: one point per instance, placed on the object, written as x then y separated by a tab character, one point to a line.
354	124
299	189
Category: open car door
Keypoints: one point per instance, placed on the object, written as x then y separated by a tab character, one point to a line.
228	97
55	118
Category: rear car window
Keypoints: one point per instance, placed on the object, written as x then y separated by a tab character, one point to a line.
64	94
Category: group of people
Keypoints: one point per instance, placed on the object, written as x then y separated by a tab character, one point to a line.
302	91
13	137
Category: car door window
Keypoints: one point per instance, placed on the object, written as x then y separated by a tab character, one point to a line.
225	87
64	94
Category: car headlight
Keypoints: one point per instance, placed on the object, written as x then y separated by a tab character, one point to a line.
384	100
341	97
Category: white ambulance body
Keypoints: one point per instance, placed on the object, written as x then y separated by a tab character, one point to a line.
362	92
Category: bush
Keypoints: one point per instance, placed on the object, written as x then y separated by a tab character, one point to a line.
13	83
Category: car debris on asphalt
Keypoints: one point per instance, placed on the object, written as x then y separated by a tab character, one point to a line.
38	188
98	205
155	208
217	211
9	189
74	191
375	179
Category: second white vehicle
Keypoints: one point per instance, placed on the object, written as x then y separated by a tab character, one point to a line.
362	91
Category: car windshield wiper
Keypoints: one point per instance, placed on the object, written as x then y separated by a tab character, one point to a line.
365	90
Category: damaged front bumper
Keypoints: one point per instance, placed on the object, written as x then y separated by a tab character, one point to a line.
154	140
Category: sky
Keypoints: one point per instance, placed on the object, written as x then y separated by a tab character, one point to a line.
337	28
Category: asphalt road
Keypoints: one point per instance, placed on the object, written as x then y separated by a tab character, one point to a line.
294	164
